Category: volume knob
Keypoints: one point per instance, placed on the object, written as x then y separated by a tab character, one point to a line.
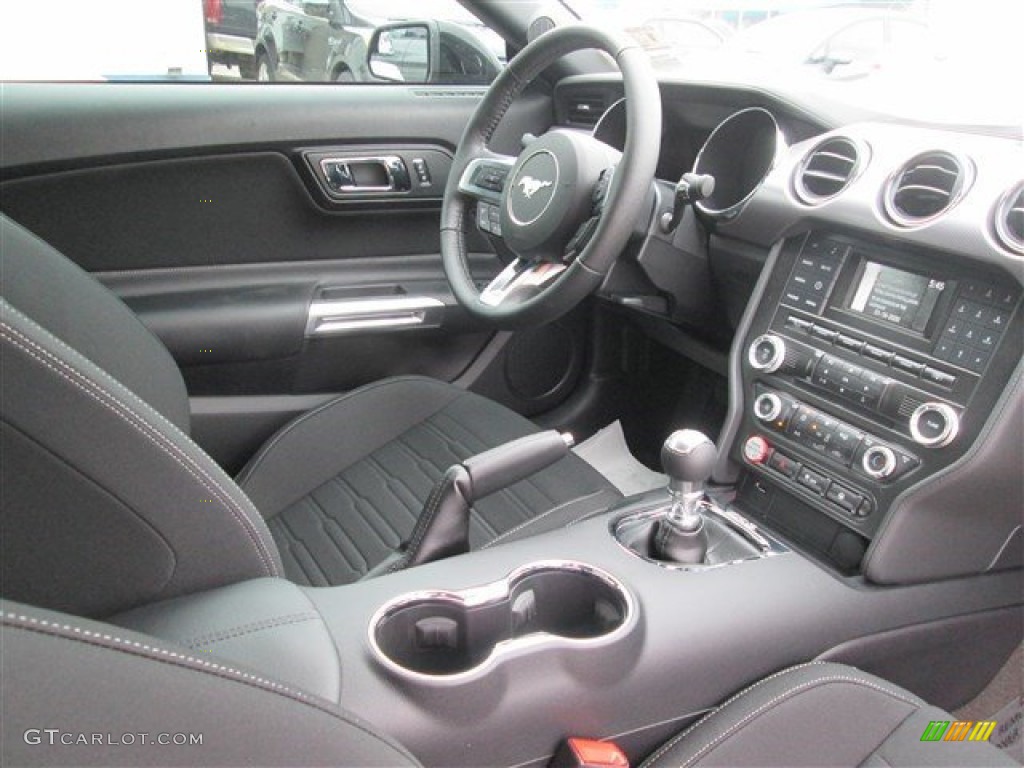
767	353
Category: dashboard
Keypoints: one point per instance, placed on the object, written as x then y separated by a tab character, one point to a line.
871	276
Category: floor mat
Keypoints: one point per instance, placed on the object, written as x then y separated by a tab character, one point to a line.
1004	694
608	453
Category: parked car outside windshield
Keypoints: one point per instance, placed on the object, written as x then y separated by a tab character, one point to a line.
942	61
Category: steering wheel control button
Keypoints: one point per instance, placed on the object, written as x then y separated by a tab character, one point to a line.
756	449
879	462
934	425
483	217
767	353
812	480
490	177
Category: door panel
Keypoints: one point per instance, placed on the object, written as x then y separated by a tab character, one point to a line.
202	206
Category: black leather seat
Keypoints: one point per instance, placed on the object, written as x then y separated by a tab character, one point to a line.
81	677
108	504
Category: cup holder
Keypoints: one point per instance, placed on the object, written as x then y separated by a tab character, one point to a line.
449	636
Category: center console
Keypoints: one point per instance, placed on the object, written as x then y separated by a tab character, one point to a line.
865	371
866	409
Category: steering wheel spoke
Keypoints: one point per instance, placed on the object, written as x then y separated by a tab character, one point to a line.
484	178
558	207
520	279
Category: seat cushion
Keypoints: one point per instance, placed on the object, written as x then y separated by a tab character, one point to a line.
822	714
342	486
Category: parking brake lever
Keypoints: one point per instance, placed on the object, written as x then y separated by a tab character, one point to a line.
442	529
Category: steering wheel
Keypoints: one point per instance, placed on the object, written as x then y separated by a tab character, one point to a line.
566	206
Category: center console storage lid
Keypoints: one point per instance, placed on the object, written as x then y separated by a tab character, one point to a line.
266	624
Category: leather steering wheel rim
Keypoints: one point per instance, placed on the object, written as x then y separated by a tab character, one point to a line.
627	193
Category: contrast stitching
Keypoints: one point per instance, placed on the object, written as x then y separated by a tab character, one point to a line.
251	628
533	520
589	515
670	744
789	694
95	391
100	372
429	512
162	655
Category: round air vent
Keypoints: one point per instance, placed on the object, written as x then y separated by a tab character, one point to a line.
828	169
926	187
1009	219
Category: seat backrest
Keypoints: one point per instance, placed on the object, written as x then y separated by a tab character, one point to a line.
107	503
78	692
76	308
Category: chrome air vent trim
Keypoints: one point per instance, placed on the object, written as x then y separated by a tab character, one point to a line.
828	169
1009	219
927	186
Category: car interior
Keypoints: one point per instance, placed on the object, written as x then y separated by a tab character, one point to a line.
593	407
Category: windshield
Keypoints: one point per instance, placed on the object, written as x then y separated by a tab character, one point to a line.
941	61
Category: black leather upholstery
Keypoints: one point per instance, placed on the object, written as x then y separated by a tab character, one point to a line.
82	313
83	677
108	504
262	623
821	714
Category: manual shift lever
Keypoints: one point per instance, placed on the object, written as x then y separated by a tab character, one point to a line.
687	457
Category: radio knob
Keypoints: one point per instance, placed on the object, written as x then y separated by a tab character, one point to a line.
767	353
879	461
768	406
934	425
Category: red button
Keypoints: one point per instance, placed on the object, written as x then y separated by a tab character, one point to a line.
597	754
756	449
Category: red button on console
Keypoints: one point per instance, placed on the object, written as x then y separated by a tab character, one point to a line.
756	449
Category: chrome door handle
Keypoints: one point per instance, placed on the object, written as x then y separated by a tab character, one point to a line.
362	175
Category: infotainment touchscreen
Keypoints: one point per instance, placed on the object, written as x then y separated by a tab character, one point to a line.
893	296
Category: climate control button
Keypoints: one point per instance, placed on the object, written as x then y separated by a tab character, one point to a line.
768	406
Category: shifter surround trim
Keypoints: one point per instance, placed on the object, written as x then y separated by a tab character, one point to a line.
765	543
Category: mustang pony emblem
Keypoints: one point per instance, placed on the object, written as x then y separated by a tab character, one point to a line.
532	186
